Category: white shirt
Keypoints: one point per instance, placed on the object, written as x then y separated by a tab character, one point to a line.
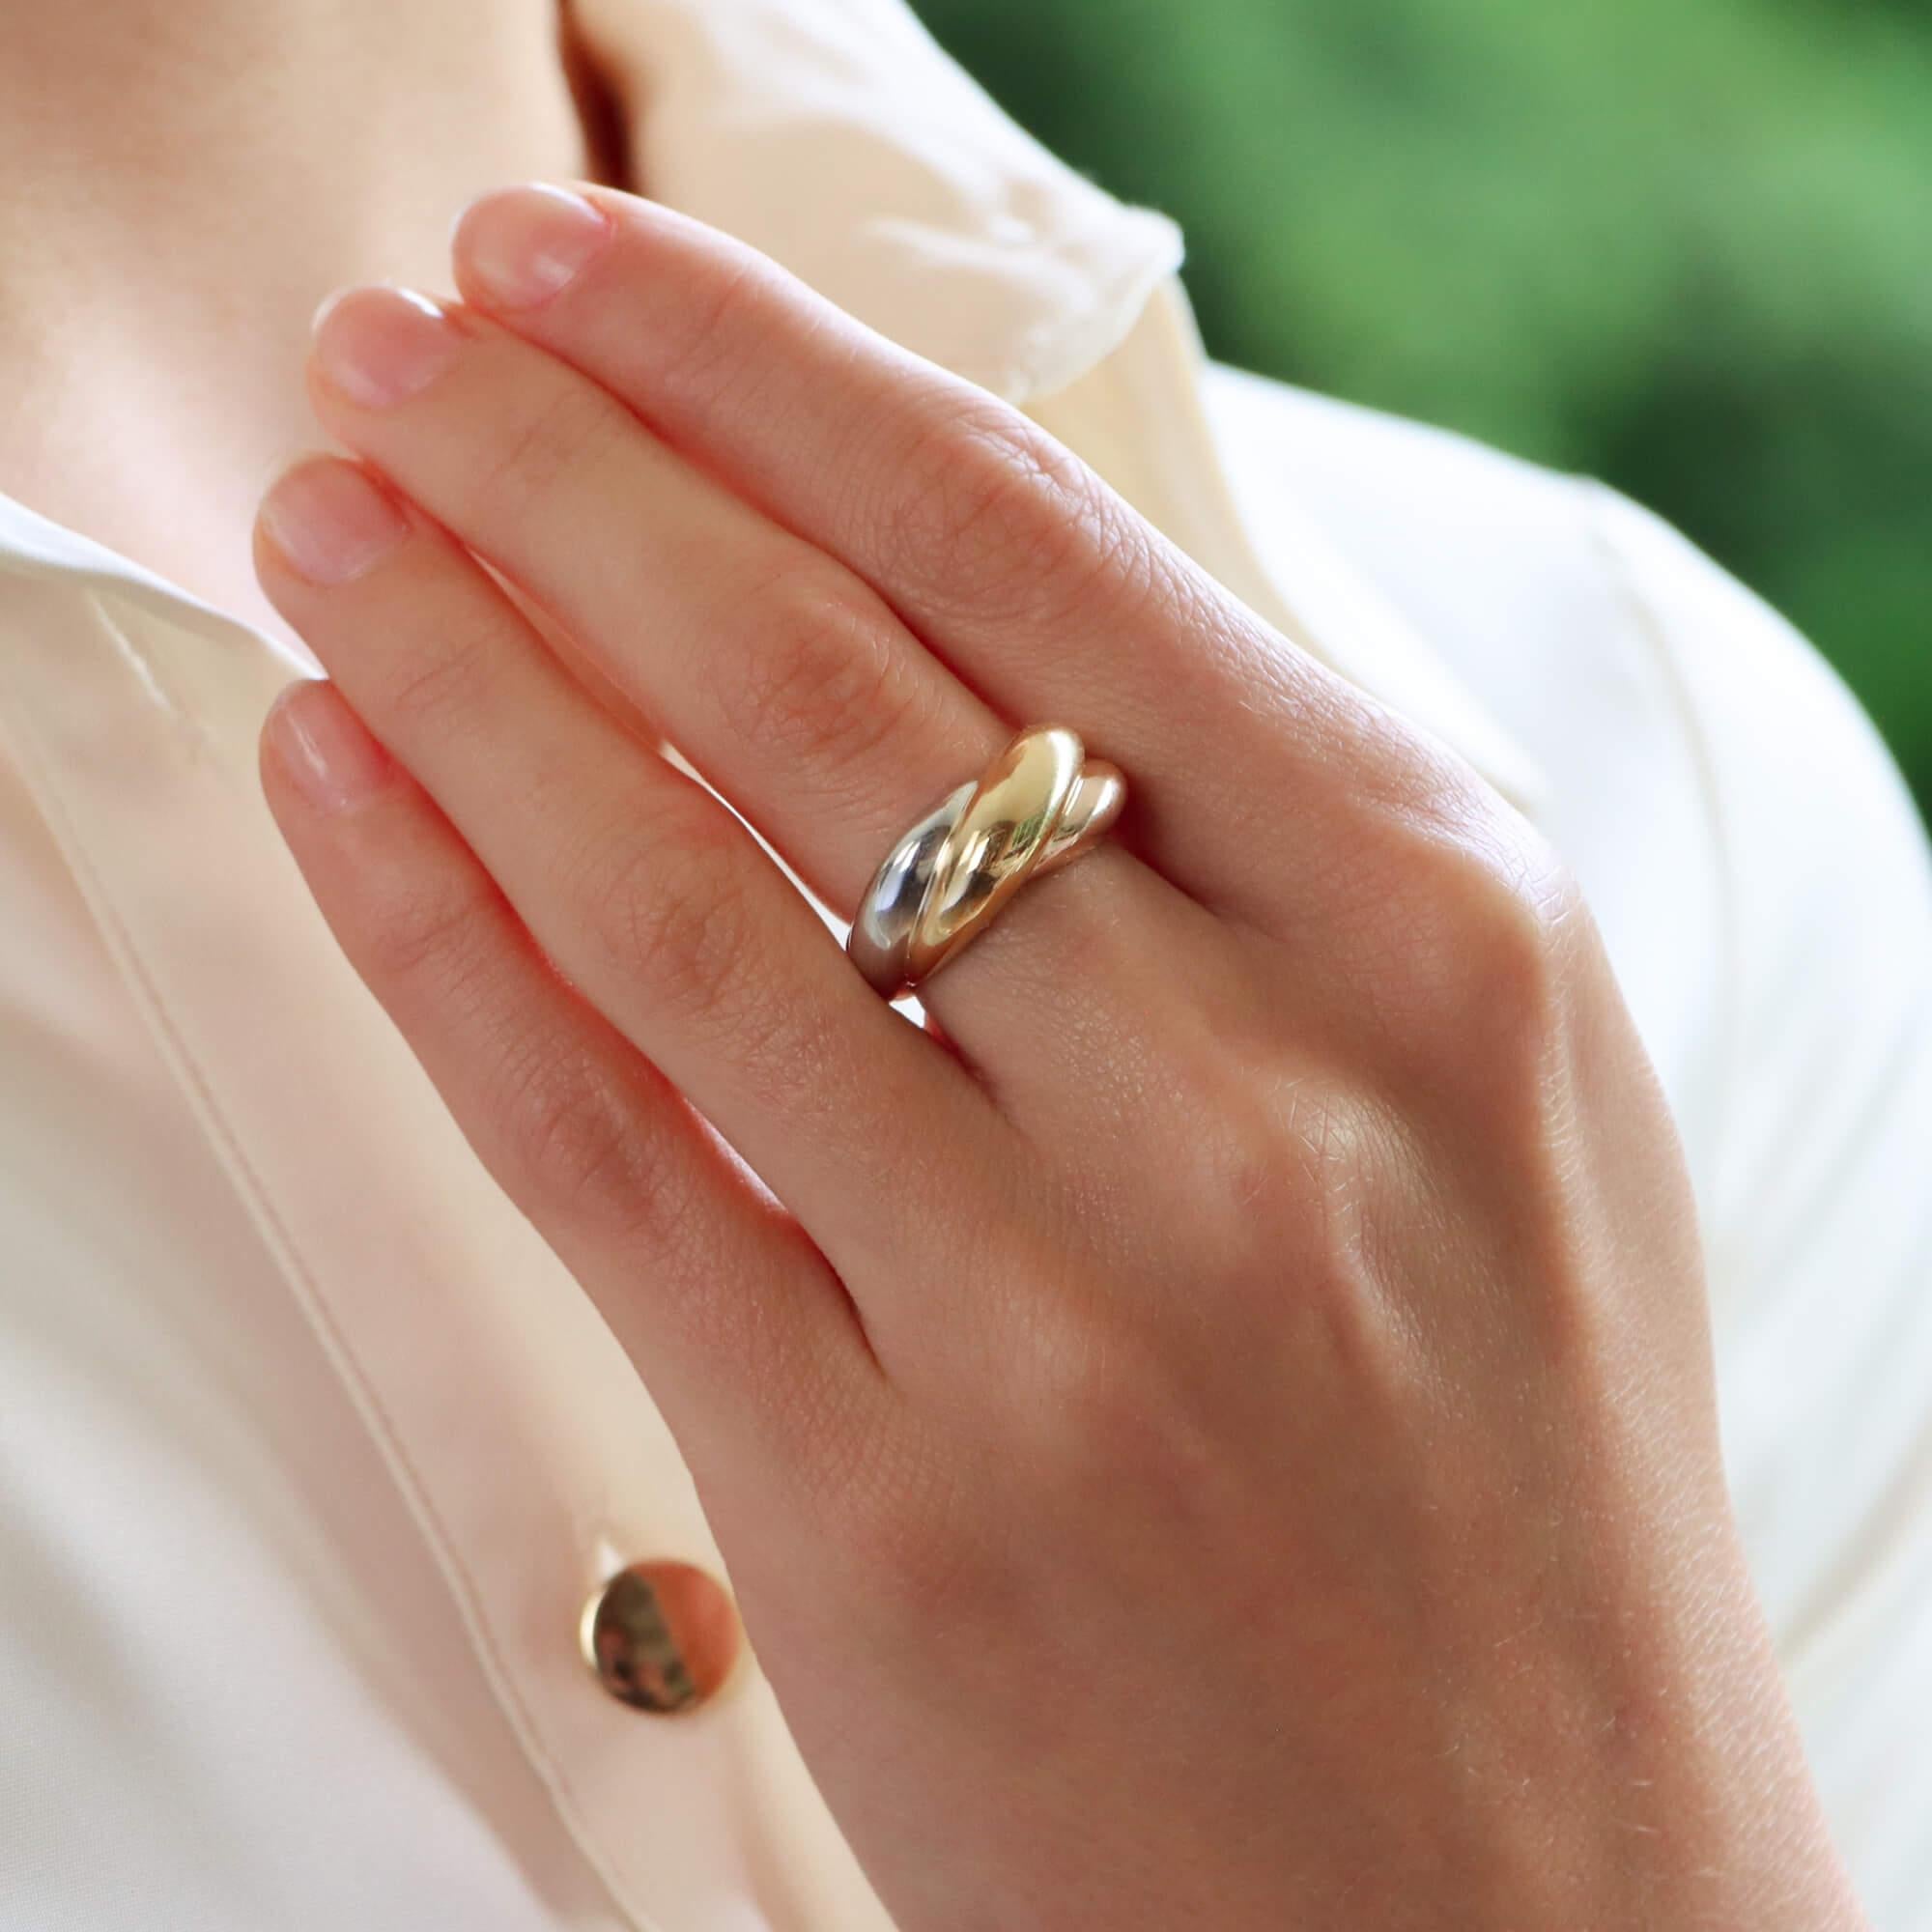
311	1451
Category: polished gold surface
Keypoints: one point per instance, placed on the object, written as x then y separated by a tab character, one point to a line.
662	1636
1038	805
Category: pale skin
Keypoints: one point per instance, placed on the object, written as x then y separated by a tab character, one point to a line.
1219	1432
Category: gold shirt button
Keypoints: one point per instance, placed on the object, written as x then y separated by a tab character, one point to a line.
662	1635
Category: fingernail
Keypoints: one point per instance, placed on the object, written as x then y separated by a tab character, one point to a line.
520	245
329	520
331	755
378	345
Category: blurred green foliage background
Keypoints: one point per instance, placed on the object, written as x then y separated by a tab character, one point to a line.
1685	246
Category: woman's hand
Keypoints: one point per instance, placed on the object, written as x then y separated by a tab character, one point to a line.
1220	1431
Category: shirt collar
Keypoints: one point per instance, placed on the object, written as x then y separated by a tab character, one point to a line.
838	138
36	546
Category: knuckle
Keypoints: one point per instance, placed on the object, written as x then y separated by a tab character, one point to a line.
436	688
430	941
1118	1412
1304	1240
1293	1245
686	935
989	501
565	432
1510	915
674	899
825	678
675	908
568	1126
1524	916
1277	1159
725	319
1488	926
574	1136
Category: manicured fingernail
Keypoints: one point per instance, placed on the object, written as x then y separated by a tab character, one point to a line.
329	520
328	751
522	244
378	345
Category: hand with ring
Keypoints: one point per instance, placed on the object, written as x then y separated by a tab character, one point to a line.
1214	1429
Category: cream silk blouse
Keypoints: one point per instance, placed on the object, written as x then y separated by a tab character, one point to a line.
311	1451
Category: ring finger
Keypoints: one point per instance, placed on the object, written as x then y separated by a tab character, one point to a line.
643	889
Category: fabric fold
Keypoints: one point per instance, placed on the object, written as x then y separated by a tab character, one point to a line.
842	141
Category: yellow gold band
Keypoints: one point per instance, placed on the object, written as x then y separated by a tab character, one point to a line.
1036	807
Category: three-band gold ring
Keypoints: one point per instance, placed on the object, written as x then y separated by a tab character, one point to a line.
1036	807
